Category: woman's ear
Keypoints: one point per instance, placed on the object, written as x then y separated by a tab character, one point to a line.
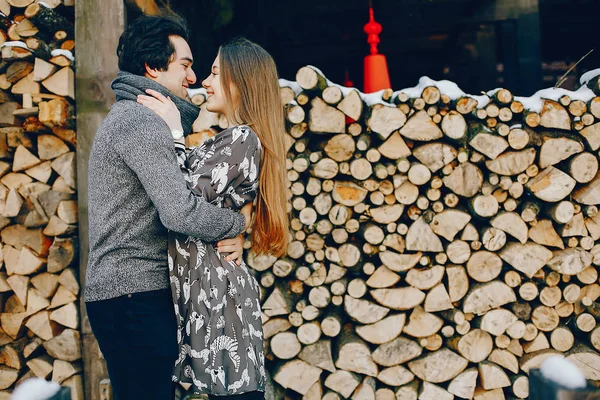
150	72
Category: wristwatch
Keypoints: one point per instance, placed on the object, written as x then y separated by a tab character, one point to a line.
177	133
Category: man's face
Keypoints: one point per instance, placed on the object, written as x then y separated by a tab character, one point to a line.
179	74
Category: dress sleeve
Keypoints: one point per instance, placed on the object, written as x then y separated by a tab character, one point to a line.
232	161
244	176
182	157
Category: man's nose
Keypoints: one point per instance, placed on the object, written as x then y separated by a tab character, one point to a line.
191	78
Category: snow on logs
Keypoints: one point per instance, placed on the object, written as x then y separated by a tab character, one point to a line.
442	244
39	285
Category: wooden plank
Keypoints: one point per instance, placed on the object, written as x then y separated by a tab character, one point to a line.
98	25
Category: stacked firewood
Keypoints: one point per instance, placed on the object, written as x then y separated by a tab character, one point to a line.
442	244
39	283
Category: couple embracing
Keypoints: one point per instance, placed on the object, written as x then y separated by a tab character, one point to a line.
168	295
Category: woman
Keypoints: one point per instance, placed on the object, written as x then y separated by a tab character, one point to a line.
216	302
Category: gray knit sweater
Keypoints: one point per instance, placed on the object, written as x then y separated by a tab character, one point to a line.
136	193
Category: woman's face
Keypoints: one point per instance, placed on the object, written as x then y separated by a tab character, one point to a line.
216	101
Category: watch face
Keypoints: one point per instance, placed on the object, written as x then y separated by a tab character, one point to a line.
177	134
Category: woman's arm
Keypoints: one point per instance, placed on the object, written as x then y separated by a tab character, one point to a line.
148	151
167	110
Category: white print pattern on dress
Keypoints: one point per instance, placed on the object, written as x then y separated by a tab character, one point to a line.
198	320
219	176
240	313
221	272
241	281
171	262
253	171
237	385
185	254
218	373
207	337
175	282
186	289
231	290
189	373
226	151
251	354
200	252
221	305
240	131
254	332
226	343
203	298
236	197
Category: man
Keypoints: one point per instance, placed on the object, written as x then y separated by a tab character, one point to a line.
136	194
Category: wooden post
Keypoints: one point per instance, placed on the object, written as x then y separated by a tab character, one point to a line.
486	56
98	25
529	48
521	34
508	32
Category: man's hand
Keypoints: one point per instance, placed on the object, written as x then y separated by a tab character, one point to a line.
234	248
246	211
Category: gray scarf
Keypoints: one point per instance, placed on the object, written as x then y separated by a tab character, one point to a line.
128	86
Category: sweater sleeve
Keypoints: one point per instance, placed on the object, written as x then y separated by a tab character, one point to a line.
144	143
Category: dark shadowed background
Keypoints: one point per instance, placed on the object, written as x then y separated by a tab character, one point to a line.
522	45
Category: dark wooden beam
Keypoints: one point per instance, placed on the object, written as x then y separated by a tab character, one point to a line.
98	25
529	47
508	33
486	57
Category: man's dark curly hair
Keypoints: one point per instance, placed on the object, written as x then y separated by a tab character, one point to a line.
146	41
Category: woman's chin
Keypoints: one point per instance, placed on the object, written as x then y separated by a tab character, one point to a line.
216	110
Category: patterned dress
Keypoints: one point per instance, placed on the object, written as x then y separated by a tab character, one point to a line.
217	302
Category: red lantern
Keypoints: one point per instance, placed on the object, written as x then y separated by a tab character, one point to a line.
347	81
376	70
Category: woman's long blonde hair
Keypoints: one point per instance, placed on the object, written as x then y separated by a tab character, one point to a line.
249	69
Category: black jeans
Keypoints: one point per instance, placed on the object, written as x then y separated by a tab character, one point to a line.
137	335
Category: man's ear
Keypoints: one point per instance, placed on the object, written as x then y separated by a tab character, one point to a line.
150	72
